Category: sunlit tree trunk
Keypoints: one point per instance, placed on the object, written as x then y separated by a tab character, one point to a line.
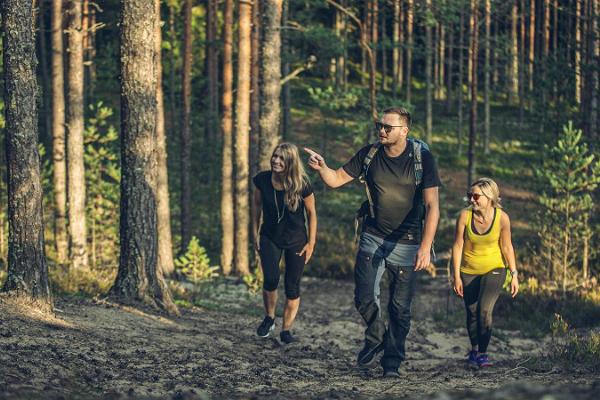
397	66
374	30
271	81
442	52
227	219
212	63
163	213
75	147
486	77
286	98
59	173
186	129
473	52
409	49
139	278
428	66
242	142
384	73
255	91
522	66
27	267
172	40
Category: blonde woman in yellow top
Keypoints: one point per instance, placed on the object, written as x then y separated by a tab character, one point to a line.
482	250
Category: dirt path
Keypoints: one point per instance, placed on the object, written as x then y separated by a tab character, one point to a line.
96	349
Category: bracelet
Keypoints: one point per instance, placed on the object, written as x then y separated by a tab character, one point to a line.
514	273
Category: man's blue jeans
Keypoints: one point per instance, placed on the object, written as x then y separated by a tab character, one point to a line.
375	256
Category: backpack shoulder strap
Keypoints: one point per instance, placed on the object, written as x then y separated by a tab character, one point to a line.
417	147
363	175
367	161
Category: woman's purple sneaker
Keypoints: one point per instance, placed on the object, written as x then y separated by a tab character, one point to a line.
483	361
472	360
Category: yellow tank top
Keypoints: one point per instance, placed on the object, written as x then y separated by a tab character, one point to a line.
481	251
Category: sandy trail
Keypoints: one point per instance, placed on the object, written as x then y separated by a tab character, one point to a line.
96	349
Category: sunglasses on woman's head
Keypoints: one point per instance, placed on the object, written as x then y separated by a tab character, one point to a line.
475	196
386	127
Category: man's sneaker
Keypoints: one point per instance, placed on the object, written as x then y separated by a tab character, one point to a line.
391	373
472	360
483	361
265	327
367	357
287	337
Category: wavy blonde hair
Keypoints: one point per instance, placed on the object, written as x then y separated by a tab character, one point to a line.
294	175
490	190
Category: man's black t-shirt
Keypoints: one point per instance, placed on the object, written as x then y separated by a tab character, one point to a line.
396	200
286	229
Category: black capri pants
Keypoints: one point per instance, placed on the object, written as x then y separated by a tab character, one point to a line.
270	254
480	295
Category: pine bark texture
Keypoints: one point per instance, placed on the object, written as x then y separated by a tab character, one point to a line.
486	76
271	81
59	177
473	52
242	140
163	213
75	148
139	278
27	268
255	89
227	221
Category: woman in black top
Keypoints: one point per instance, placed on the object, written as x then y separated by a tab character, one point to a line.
283	195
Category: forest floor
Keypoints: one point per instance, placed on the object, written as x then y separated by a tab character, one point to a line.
97	349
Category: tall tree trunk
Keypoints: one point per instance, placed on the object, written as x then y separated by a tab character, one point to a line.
271	82
513	69
486	77
163	213
384	85
555	48
186	130
442	52
532	44
340	64
286	124
255	91
75	150
139	278
58	135
172	39
85	30
44	68
428	66
27	268
374	30
461	78
364	37
409	50
242	142
212	63
450	70
473	52
435	33
522	33
578	85
227	222
593	80
396	49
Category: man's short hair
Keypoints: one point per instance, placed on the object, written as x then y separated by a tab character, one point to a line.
402	112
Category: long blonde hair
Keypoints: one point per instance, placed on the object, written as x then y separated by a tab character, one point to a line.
490	190
294	176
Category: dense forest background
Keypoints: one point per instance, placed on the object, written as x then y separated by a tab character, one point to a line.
132	129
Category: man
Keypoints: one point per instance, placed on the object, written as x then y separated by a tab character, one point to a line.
394	236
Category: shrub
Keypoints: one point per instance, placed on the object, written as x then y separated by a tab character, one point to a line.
195	264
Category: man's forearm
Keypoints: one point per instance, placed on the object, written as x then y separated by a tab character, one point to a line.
432	217
330	177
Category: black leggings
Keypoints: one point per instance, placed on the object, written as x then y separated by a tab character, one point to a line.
480	295
270	254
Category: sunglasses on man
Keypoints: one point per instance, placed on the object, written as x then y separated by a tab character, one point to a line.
387	128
